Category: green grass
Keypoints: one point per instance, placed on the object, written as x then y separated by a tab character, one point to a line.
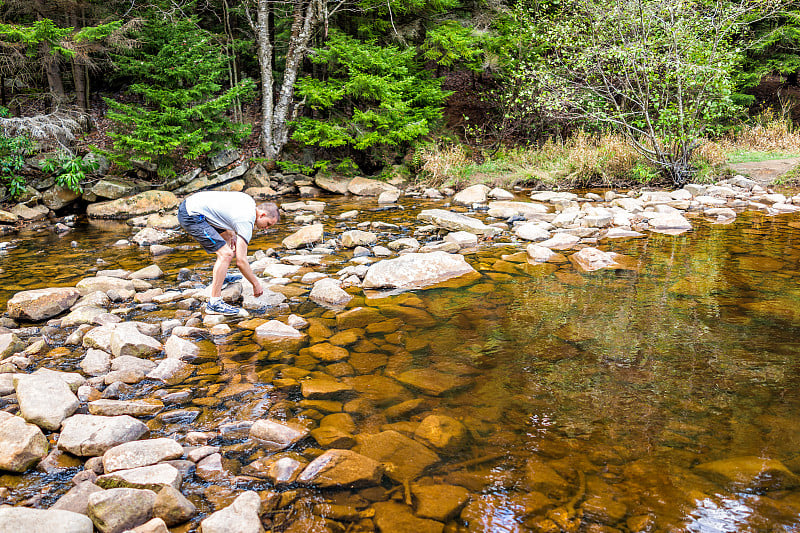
745	156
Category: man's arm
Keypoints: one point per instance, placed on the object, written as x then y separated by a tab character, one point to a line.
244	266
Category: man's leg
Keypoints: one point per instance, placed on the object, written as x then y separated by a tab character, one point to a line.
224	258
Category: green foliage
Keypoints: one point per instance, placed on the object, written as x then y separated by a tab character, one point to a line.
178	75
660	72
31	37
772	41
13	150
69	170
450	44
374	97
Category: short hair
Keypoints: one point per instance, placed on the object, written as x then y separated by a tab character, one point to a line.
271	210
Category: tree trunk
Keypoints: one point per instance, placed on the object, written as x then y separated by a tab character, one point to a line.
277	114
51	68
79	73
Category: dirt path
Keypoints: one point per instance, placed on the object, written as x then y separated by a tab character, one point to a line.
765	172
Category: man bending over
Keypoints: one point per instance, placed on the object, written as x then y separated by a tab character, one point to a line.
222	222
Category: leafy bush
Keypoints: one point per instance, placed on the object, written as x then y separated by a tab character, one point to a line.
13	149
70	170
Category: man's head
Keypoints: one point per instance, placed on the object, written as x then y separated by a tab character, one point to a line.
267	215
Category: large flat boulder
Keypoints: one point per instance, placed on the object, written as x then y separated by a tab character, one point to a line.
456	222
133	206
91	435
41	304
415	270
19	519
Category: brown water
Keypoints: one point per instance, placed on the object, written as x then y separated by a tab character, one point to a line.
597	392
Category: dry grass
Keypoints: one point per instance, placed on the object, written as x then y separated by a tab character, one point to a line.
587	160
583	160
766	135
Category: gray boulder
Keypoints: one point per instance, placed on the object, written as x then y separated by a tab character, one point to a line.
140	453
416	270
22	519
241	516
117	510
456	222
91	435
22	445
41	304
45	399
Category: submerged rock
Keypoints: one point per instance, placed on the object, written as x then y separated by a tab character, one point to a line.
394	517
405	459
341	469
590	259
751	473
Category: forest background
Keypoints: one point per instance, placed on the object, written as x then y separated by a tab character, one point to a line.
553	92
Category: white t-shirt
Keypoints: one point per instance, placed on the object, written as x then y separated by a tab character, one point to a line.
225	210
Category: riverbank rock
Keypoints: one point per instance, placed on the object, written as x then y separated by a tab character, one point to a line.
22	445
367	187
22	519
140	453
416	270
41	304
474	194
331	184
91	435
303	236
118	510
449	220
45	399
241	516
750	473
341	469
140	204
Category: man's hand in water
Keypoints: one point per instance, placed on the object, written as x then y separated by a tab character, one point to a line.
258	290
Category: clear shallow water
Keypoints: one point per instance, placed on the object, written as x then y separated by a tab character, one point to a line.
600	393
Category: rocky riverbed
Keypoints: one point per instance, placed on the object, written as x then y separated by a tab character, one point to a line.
313	412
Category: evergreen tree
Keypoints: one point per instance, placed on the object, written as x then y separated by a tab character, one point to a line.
178	74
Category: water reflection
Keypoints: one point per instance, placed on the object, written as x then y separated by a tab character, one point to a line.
582	394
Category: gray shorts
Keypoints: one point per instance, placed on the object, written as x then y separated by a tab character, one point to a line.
203	232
